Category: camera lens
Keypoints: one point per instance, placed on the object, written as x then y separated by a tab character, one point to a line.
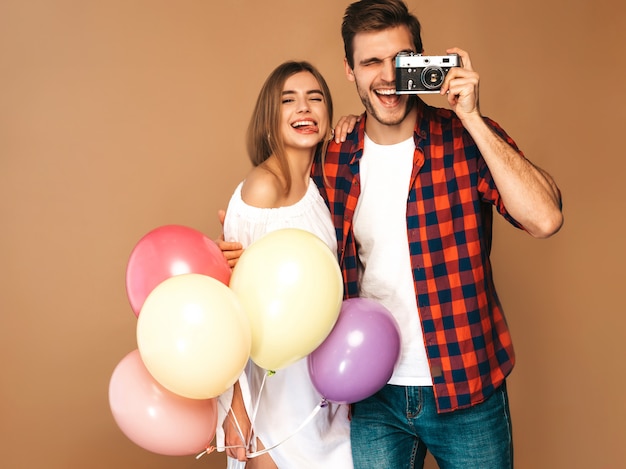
432	77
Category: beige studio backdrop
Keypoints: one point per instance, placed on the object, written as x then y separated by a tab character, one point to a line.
119	116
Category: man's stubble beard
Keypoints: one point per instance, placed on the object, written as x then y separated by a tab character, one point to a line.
371	110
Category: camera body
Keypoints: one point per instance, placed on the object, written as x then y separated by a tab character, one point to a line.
416	73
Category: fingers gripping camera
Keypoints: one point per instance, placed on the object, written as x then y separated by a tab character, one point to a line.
417	73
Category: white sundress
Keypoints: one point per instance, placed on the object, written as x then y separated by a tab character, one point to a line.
288	397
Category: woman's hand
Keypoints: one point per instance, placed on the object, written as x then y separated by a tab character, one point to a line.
237	427
232	251
344	126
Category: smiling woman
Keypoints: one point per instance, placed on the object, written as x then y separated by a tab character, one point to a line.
291	121
289	126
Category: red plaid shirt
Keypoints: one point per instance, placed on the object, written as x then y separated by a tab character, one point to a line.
449	220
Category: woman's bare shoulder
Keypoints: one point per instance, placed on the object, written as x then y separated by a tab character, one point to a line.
262	188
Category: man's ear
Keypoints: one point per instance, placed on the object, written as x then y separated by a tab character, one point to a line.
348	70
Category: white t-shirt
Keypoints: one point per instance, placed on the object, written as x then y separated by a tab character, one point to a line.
383	247
288	397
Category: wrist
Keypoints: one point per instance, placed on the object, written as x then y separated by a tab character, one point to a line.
471	120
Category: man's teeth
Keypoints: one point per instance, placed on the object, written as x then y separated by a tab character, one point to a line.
386	92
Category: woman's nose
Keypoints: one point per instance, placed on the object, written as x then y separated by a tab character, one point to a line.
303	106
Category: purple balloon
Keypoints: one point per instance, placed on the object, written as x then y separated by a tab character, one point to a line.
357	358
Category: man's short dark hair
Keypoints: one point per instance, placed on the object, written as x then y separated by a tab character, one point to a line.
377	15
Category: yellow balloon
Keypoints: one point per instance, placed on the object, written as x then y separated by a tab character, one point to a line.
290	286
193	336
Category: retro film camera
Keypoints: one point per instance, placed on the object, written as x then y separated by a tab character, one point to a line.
416	73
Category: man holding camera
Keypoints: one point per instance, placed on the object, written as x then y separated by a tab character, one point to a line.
411	192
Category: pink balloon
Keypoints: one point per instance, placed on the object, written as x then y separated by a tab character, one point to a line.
155	418
168	251
357	358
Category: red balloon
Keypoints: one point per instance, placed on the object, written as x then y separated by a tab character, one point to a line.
168	251
153	417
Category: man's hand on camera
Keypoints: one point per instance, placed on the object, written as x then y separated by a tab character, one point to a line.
461	86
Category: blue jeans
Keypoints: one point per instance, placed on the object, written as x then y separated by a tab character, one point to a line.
394	428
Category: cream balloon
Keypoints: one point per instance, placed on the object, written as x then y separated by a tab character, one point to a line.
290	286
193	336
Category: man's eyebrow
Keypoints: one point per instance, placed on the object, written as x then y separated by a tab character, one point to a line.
378	59
370	60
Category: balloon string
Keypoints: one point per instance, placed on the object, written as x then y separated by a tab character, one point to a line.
209	449
314	412
212	448
255	407
312	415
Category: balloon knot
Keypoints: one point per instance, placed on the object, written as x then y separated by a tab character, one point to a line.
209	449
271	372
324	403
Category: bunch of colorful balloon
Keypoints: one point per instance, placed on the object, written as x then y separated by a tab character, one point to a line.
198	325
193	342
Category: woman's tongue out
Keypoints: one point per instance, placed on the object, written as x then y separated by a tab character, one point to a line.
305	126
